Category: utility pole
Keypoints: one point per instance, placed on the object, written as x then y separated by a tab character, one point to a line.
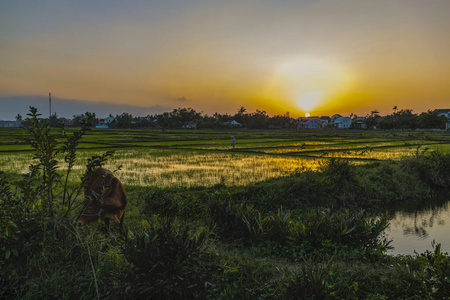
50	104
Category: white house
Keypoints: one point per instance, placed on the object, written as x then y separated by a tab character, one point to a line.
233	123
109	120
324	121
342	122
446	114
443	112
334	117
308	123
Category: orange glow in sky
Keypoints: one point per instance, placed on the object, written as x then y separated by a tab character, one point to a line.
320	57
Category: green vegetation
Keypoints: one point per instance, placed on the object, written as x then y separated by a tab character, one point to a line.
312	233
186	158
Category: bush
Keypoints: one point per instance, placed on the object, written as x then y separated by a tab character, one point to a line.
432	168
427	276
316	280
164	258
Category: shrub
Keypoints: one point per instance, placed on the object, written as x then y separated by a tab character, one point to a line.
356	230
164	256
433	168
316	280
427	276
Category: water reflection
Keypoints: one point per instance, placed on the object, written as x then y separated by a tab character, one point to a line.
414	226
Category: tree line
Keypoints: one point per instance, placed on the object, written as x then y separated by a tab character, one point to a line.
400	120
405	119
180	116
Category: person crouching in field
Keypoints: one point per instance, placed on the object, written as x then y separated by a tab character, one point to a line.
232	142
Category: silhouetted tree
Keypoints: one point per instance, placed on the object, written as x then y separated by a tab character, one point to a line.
180	115
77	119
283	121
258	119
372	120
124	120
429	120
402	119
53	120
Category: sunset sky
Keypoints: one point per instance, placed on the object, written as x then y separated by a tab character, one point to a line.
321	57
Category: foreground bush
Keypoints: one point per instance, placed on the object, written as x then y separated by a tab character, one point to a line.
164	258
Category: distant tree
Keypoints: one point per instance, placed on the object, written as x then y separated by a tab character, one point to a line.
372	120
242	117
283	121
209	122
400	119
77	119
374	113
53	120
430	120
258	119
387	123
124	120
180	115
242	110
405	119
164	120
19	118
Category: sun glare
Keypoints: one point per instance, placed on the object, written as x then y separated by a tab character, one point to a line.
307	115
309	83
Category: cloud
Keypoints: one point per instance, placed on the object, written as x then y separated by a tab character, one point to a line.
182	99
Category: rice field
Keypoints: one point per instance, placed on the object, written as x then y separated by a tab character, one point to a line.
185	158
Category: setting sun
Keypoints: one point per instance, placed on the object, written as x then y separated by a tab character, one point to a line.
307	115
309	83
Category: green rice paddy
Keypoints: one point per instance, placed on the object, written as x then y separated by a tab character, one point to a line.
205	158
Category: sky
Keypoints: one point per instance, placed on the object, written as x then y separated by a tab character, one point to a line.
296	56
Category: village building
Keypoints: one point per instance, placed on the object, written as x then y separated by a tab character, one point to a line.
308	123
334	117
233	123
66	122
443	112
324	121
101	126
10	123
446	114
109	120
189	125
359	122
342	122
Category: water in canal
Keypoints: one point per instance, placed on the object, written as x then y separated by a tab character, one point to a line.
414	226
